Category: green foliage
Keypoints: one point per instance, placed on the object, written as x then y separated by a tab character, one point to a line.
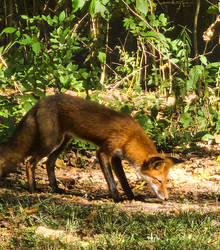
52	62
142	6
72	49
8	112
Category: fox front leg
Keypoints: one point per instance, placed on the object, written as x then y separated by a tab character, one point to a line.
119	171
106	169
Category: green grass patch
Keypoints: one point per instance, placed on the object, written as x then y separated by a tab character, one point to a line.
100	226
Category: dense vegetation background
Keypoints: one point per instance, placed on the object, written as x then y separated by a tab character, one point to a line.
145	57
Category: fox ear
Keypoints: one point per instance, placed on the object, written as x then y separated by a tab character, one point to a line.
175	160
154	162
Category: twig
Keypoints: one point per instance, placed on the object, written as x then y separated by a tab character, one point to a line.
165	55
102	78
146	51
211	3
112	70
16	86
175	2
195	27
46	5
116	84
3	61
79	22
204	54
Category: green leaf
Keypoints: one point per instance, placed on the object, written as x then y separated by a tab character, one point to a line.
163	19
203	59
60	31
195	75
24	17
78	4
213	65
8	30
97	7
63	79
213	10
62	16
208	137
54	40
102	57
36	47
150	34
142	6
27	40
174	60
85	75
92	8
185	119
78	86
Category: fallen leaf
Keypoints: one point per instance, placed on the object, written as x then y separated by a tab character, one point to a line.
31	211
11	210
175	211
149	246
90	217
60	163
142	184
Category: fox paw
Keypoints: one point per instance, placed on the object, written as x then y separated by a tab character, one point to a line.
59	190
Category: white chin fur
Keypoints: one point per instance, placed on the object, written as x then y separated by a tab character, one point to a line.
156	191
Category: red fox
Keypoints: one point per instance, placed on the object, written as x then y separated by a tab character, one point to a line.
46	129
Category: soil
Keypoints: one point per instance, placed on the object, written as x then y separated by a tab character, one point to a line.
193	185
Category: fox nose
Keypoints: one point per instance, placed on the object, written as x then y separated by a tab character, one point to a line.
166	198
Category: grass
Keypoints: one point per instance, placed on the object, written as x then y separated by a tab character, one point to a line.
101	226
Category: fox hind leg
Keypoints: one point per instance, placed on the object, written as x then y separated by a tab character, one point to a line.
50	164
51	141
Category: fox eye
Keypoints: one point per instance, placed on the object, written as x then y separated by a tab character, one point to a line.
154	162
157	165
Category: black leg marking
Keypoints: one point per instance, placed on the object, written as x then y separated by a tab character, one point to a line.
106	169
119	171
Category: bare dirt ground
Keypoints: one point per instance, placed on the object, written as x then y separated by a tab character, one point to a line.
193	185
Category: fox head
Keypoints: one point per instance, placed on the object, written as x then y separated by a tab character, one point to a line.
155	171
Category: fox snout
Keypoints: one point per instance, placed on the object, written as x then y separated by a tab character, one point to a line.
159	189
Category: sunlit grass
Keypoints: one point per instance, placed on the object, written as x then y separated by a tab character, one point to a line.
101	227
